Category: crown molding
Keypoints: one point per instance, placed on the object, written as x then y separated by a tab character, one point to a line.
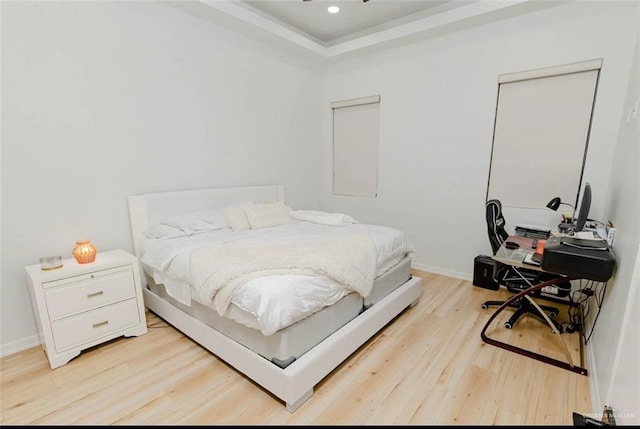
469	13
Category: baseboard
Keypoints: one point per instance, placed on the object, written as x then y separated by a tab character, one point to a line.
20	345
442	271
596	402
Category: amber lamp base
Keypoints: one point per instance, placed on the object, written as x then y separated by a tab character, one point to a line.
84	252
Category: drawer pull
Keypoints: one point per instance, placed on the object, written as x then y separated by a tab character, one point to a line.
97	325
91	295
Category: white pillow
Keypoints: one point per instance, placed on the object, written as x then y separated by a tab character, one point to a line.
163	231
237	217
268	215
323	218
190	223
214	217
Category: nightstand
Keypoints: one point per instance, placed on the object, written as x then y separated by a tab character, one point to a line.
79	306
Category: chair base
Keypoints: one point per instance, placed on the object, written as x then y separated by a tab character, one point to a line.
523	306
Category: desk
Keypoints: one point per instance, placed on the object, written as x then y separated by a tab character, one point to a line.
515	257
570	259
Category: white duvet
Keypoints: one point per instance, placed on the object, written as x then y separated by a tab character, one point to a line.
280	298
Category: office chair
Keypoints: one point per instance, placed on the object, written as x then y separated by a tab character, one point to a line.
517	279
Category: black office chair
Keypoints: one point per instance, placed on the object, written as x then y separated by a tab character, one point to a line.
517	279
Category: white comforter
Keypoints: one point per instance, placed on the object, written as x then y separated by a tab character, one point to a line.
217	270
266	302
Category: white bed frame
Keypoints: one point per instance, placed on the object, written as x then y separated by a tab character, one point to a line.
293	384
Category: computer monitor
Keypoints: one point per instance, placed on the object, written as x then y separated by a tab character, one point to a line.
583	210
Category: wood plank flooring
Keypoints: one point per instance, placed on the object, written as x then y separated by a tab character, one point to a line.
427	367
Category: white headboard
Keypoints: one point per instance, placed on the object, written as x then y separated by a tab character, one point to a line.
150	209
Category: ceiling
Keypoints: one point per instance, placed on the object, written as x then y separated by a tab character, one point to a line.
355	18
360	25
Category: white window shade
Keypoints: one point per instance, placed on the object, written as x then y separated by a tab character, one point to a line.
355	146
542	125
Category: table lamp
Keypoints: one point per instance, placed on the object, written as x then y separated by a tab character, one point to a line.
84	252
555	203
567	221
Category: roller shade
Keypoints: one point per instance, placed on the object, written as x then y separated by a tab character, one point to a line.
541	133
355	146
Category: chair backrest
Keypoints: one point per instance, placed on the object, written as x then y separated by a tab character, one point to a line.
495	224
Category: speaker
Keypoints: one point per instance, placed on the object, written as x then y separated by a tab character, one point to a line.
483	273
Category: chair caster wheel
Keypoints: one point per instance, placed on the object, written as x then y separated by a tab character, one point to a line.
484	306
508	325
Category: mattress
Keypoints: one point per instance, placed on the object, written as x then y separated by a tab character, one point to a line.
272	302
287	344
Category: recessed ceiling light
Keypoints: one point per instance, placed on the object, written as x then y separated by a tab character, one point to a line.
333	9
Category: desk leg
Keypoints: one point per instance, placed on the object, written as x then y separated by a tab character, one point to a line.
567	354
546	359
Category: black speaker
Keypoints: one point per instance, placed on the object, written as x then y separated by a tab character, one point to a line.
483	273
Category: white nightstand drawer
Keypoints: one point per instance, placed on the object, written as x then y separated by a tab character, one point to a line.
66	280
89	293
76	330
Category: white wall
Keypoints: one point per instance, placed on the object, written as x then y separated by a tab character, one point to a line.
101	100
616	341
437	110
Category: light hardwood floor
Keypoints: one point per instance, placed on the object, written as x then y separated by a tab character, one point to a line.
427	367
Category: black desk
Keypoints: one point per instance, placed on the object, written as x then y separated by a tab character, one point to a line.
571	260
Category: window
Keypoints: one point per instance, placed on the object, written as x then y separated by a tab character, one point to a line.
541	132
355	146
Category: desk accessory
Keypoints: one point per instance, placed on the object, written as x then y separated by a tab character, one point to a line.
588	244
565	227
586	259
529	259
611	235
532	231
511	245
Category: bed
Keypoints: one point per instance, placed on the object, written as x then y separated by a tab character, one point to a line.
315	287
